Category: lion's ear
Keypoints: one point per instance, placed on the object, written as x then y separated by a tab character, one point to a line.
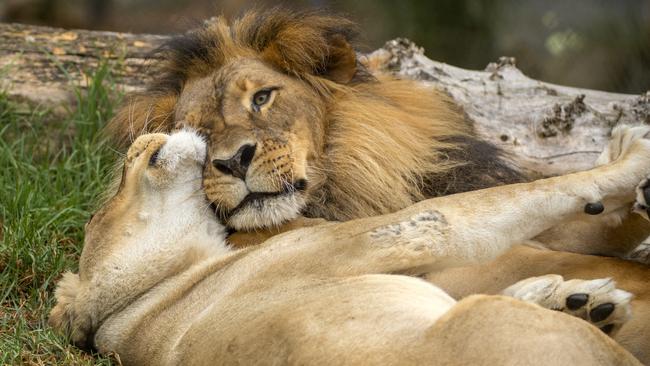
314	45
342	61
64	316
140	114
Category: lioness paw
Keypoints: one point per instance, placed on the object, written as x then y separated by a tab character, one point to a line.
640	254
621	142
641	205
596	301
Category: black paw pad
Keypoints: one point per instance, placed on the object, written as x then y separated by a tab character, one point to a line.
594	208
576	301
607	328
601	312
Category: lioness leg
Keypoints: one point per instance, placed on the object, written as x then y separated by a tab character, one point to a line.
468	227
497	330
615	234
596	301
641	253
642	204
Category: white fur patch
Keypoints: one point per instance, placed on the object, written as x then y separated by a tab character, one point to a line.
273	210
184	145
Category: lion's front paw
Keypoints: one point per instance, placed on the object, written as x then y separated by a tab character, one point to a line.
621	142
642	206
596	301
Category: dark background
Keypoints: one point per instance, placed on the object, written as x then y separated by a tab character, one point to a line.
599	44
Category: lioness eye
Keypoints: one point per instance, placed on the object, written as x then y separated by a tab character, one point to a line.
261	97
154	158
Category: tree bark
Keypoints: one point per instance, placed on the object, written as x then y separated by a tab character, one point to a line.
548	129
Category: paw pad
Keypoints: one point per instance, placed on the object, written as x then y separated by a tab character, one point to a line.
576	301
601	312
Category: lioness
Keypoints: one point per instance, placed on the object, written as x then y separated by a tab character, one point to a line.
158	285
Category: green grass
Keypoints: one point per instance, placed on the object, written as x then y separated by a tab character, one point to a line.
53	171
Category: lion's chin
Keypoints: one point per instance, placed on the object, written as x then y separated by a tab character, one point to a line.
267	212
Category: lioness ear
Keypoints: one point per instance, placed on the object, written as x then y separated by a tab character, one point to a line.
140	114
64	316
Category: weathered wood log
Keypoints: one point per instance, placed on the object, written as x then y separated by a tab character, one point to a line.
43	65
549	129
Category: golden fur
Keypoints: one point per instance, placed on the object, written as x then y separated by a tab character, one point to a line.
333	139
329	293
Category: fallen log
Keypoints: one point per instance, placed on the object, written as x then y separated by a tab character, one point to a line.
42	65
549	129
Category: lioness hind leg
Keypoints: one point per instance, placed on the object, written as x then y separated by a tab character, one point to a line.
640	254
596	301
642	204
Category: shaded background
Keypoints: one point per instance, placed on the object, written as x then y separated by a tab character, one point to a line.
598	44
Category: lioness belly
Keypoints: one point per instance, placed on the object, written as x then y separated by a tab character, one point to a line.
370	319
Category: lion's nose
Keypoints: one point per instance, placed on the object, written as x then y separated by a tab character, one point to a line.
237	165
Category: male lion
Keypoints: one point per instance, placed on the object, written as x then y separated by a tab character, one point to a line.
158	285
296	125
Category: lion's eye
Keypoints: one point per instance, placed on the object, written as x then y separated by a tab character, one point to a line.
261	97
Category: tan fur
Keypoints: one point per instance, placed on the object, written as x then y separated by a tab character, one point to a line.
157	285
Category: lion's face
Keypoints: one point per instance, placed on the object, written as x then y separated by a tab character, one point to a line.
264	131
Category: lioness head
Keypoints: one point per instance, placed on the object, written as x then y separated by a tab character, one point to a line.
157	219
